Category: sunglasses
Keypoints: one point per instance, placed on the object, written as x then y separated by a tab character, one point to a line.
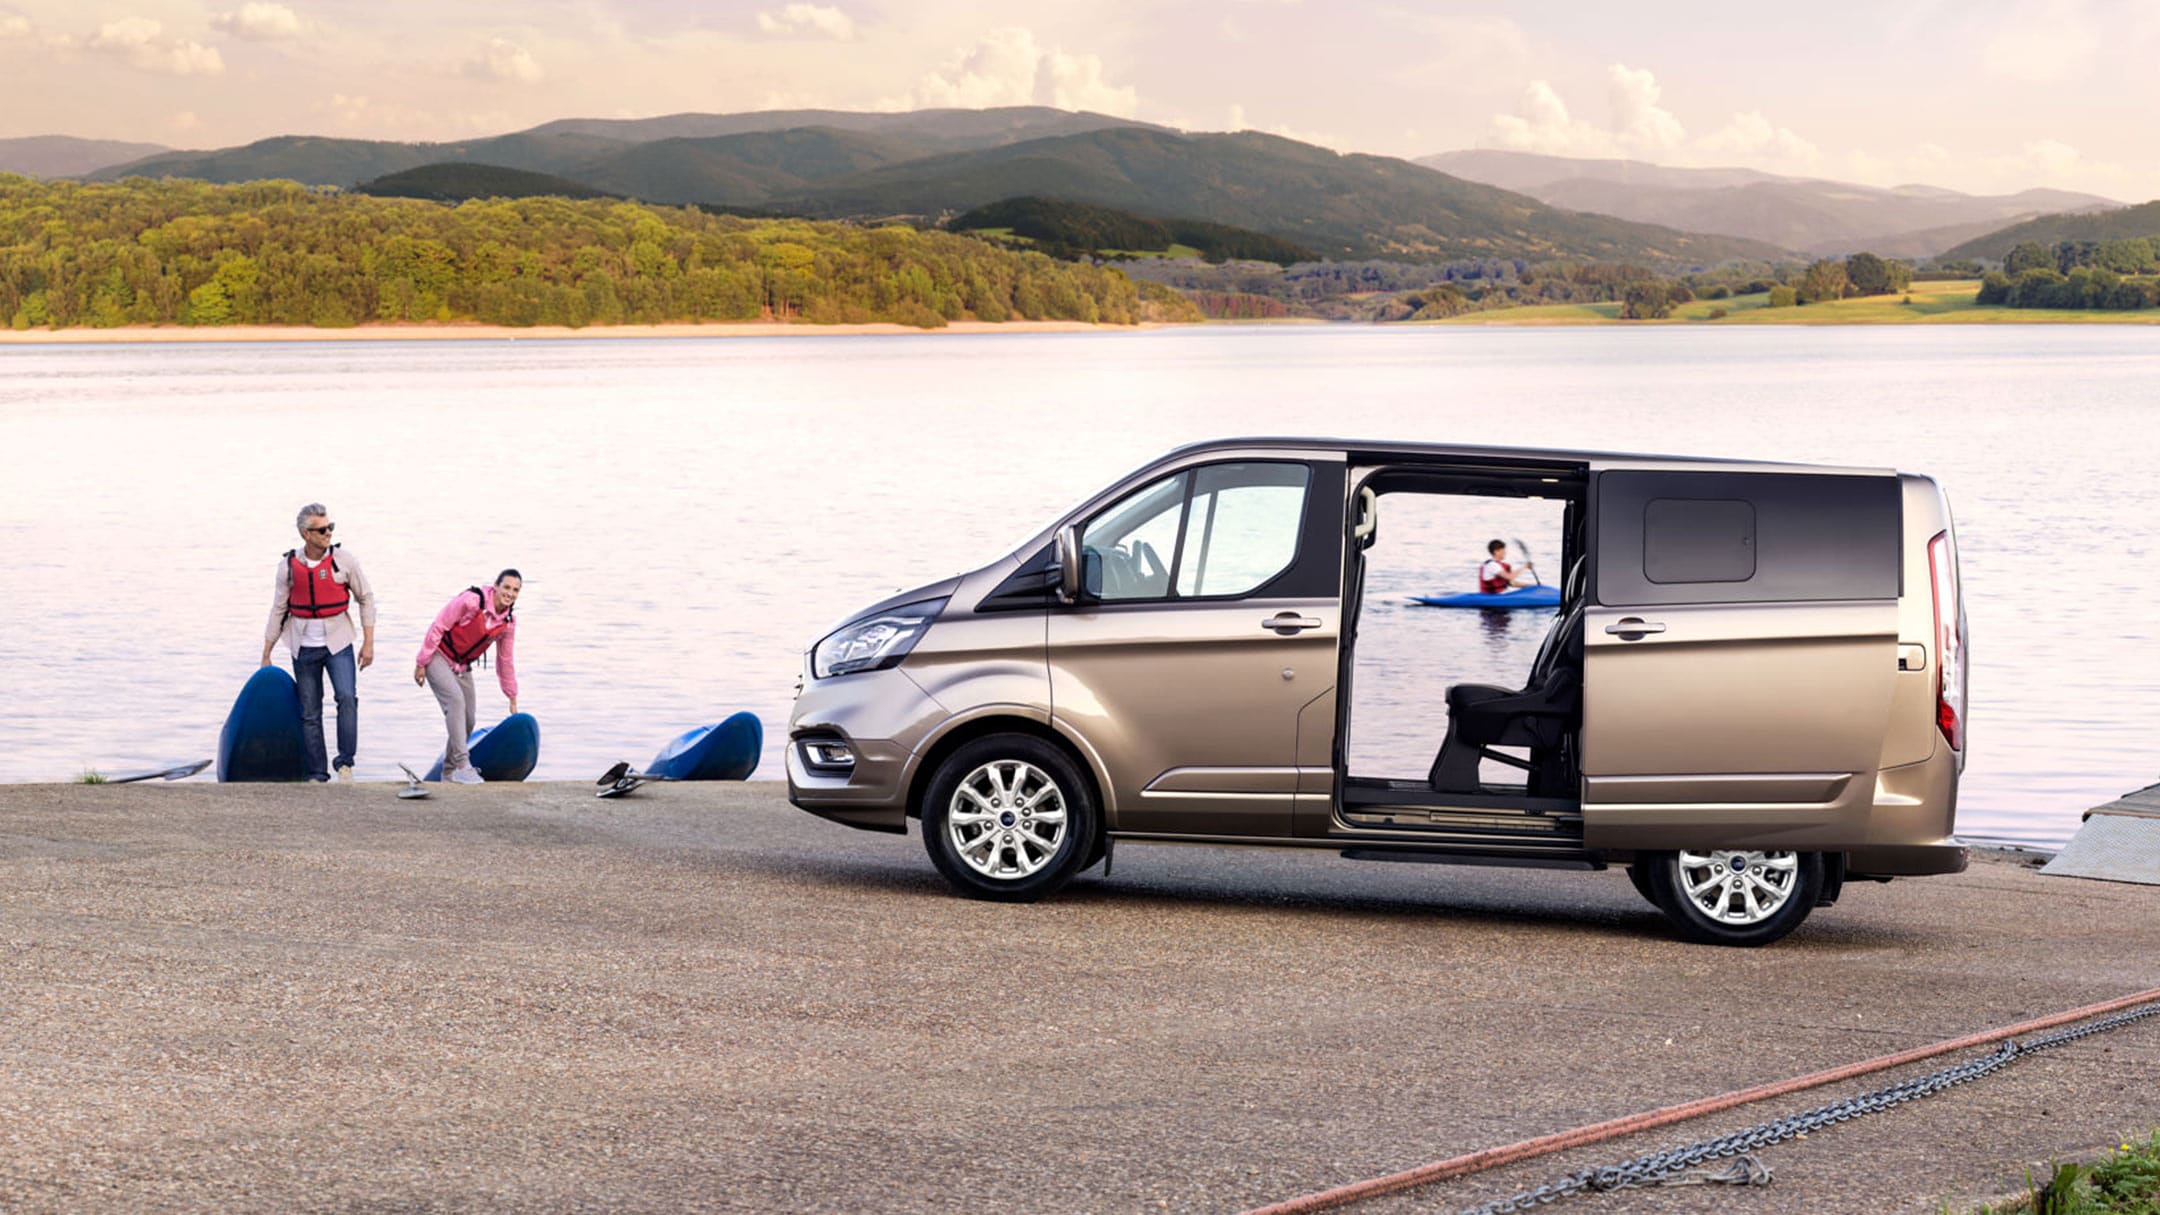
324	530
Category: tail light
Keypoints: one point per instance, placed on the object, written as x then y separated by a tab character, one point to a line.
1949	641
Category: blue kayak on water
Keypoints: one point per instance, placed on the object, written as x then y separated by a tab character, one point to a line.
261	740
1525	597
507	750
727	751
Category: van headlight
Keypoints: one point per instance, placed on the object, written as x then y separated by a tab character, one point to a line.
873	642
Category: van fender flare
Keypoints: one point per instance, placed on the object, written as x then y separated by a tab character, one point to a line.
991	719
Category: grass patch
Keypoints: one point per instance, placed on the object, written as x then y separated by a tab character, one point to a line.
2126	1181
90	776
1949	301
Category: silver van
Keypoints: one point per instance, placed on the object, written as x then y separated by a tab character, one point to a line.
1751	690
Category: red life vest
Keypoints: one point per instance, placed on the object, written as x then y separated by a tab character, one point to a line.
464	642
1494	586
316	594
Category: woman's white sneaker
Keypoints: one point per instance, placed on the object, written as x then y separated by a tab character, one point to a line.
464	776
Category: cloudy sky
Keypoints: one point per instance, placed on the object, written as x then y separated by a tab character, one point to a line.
1985	95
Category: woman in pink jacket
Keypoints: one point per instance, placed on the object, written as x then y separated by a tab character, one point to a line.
464	630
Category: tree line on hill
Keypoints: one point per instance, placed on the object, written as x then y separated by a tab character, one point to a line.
1395	291
1072	231
2113	275
190	253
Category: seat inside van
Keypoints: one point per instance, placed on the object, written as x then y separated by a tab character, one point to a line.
1543	715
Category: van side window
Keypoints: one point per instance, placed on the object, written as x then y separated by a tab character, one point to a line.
1243	527
1746	537
1216	531
1698	540
1127	549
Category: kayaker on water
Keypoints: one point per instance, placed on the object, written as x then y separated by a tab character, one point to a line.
311	603
1496	576
464	630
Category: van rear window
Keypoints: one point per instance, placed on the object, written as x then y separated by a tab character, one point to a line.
1722	537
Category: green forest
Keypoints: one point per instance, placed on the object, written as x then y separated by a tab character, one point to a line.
140	252
1073	231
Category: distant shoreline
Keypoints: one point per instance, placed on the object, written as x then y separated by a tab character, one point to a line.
458	331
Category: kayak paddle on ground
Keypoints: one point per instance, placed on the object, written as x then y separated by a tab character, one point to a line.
184	770
414	789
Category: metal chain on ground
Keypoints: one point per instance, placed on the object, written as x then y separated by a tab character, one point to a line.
1650	1168
1746	1170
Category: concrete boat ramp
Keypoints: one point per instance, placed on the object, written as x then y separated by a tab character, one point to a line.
520	998
2120	842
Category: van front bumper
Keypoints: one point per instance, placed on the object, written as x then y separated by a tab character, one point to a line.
880	717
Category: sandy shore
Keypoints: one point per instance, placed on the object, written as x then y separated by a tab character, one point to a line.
459	332
517	998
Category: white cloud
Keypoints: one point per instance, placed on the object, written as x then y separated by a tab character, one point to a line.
2043	42
504	60
1007	67
1075	82
14	26
808	20
1642	127
1642	123
1753	137
260	22
184	121
142	44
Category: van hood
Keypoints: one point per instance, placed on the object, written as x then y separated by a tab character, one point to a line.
942	589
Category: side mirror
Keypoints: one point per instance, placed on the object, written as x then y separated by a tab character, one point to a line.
1068	564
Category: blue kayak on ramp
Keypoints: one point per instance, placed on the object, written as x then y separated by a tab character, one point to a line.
508	750
727	751
261	740
1525	597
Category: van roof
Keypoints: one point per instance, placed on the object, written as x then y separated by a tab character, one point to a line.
1395	448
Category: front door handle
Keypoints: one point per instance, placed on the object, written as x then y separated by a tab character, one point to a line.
1287	623
1633	628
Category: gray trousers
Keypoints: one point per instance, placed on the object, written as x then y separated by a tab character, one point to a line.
454	692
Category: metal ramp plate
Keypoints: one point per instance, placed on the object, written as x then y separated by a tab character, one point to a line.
2120	842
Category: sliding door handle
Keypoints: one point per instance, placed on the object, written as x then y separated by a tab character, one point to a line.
1287	623
1633	628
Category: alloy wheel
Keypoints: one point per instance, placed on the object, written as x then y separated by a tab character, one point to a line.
1738	888
1006	819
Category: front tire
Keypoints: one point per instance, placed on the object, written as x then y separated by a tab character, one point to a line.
1009	818
1733	896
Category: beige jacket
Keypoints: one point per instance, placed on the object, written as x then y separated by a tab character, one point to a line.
339	628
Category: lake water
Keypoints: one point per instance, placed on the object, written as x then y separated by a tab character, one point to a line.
690	514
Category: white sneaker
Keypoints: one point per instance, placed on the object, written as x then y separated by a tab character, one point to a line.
344	772
464	776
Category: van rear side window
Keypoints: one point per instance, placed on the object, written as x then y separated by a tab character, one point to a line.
1698	540
1720	537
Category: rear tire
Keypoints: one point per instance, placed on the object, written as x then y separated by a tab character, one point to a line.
1009	818
1732	896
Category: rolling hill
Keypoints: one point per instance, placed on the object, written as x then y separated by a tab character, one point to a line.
2122	223
745	169
1337	205
567	146
457	182
322	161
1825	218
943	130
67	156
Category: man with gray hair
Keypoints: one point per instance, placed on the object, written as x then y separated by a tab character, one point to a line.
311	605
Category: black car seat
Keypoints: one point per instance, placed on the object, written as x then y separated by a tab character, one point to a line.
1543	715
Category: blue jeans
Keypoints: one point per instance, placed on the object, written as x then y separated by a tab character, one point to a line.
308	666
